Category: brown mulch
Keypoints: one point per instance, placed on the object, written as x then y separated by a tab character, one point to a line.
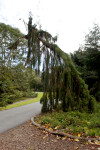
29	137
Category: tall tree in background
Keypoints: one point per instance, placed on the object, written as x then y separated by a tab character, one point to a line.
93	49
15	79
10	56
87	61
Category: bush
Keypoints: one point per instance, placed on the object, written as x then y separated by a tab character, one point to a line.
3	99
30	94
9	101
15	84
18	94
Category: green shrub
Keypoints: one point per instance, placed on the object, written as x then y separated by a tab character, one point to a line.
9	101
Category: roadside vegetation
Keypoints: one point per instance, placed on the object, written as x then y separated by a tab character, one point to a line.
17	83
36	99
73	122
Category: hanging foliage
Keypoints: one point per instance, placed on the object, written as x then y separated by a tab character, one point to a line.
62	83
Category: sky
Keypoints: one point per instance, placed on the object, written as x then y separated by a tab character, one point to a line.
71	20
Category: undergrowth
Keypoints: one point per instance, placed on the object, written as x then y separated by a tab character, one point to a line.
74	122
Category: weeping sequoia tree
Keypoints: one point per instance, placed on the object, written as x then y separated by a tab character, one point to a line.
62	83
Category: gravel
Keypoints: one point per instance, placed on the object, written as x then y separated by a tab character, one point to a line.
29	137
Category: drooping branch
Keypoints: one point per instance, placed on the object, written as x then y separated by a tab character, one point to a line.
62	82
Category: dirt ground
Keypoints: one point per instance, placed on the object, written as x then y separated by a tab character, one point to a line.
29	137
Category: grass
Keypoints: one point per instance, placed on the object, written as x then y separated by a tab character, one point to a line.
73	122
24	102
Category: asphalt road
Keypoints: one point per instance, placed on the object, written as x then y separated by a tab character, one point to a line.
16	116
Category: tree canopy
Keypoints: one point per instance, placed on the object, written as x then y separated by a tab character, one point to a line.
9	35
87	61
16	80
62	82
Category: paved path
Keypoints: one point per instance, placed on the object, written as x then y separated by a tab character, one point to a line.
15	116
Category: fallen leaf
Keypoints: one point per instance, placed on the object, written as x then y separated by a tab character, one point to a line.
44	131
77	140
51	129
87	143
44	137
97	142
79	135
76	147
